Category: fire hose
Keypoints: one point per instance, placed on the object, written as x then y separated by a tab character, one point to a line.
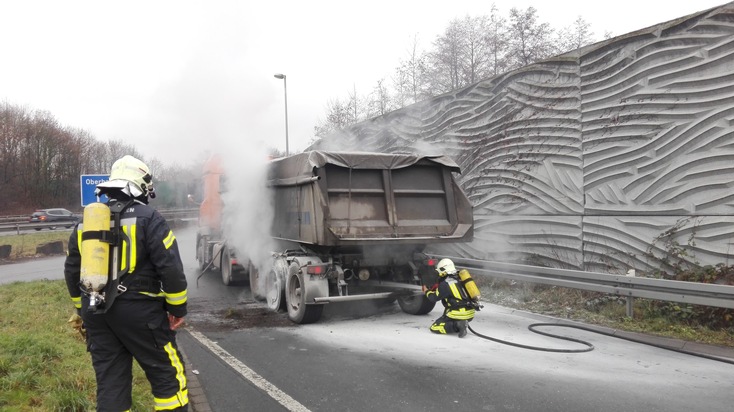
589	347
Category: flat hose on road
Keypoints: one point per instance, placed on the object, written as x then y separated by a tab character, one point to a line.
589	346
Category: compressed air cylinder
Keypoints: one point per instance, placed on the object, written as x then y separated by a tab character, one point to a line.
469	284
95	253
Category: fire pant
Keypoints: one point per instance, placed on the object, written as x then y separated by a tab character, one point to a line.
135	328
445	324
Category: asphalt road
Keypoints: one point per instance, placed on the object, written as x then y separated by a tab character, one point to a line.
365	358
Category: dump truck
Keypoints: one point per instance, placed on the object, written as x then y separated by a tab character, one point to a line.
353	226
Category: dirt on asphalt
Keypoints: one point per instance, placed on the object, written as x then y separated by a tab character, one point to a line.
213	315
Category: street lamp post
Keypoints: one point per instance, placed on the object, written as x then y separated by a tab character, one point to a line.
285	93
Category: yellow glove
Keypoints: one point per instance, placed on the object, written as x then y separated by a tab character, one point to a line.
78	325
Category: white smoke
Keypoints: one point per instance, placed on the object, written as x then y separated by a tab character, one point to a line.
248	205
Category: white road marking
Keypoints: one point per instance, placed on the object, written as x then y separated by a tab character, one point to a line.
247	373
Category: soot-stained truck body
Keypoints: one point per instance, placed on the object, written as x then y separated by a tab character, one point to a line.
353	226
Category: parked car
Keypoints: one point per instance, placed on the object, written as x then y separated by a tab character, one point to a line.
62	216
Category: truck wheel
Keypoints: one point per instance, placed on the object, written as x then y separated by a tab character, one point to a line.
274	282
415	305
298	310
226	267
255	283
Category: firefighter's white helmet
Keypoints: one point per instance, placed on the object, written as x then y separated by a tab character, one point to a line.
129	175
445	267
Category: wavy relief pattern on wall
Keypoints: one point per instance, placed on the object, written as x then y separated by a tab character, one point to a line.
657	116
658	145
584	160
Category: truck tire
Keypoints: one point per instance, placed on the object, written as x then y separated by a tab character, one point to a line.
298	310
415	305
226	267
275	285
255	283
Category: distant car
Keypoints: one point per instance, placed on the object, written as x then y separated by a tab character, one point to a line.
62	216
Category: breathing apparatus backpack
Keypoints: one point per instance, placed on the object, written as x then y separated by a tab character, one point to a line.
470	287
100	248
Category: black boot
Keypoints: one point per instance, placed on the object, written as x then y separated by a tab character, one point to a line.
461	325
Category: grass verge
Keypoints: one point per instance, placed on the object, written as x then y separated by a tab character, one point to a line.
24	245
44	364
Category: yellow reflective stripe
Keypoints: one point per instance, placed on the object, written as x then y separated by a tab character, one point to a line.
178	298
440	328
133	247
77	301
152	295
455	291
131	232
181	398
461	314
168	241
79	238
176	401
123	259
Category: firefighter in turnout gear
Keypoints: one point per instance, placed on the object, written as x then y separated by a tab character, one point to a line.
142	302
459	307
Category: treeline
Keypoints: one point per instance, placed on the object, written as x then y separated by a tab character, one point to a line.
469	50
41	162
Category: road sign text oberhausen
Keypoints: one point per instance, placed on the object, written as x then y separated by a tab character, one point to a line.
88	183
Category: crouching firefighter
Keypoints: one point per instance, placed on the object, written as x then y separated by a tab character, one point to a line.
459	295
126	280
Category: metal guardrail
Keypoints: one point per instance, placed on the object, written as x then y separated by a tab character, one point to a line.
7	224
626	286
17	227
13	219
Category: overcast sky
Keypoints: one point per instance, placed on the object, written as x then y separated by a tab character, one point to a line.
178	78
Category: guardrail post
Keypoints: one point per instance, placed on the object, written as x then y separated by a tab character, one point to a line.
630	299
630	306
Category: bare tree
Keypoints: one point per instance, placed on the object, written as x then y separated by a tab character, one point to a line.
13	120
497	42
477	65
577	35
380	101
41	162
117	148
411	77
446	59
530	40
469	50
338	116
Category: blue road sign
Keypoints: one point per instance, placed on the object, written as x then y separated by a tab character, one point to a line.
88	183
